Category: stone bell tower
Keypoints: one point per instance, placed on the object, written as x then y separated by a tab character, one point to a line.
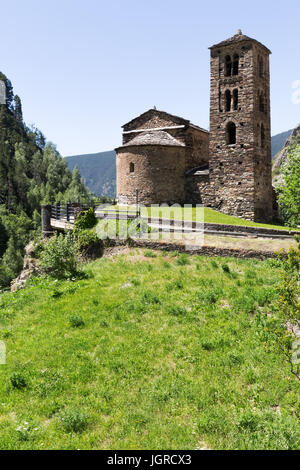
240	135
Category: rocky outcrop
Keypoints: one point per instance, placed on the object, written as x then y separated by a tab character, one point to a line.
30	267
282	156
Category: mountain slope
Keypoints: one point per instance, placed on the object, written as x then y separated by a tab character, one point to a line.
278	141
98	171
281	156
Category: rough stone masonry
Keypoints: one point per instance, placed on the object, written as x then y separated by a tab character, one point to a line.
170	160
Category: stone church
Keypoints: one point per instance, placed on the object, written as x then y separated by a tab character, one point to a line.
170	160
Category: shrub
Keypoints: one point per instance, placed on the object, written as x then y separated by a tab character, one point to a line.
248	421
207	345
84	220
150	254
76	321
149	297
176	284
60	257
27	431
18	380
225	268
209	296
183	260
177	310
89	244
73	421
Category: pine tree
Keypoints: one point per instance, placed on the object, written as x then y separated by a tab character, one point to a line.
18	109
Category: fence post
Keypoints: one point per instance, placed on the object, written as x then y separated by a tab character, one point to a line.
68	211
57	212
46	220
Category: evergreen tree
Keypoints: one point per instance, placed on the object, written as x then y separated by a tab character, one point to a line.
18	109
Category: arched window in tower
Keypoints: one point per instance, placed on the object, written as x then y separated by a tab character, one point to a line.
235	65
260	67
235	99
227	100
261	102
131	167
231	133
262	136
228	66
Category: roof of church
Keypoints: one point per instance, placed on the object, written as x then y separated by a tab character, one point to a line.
154	138
166	115
239	37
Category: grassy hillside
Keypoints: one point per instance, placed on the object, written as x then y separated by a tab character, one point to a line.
207	215
149	351
98	171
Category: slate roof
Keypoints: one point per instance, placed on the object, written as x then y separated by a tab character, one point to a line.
154	138
239	37
183	121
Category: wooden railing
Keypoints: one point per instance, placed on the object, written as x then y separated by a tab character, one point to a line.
68	212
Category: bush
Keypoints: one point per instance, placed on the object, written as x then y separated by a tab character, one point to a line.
89	244
177	310
60	257
225	268
76	321
18	380
207	345
150	254
149	297
85	219
73	421
183	260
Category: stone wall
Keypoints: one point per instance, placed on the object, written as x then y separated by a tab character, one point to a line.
159	171
158	174
199	191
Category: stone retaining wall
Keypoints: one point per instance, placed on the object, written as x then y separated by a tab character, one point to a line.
205	250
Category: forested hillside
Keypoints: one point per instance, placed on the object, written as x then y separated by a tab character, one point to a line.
98	171
31	171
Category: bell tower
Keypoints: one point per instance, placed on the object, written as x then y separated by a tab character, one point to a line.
240	128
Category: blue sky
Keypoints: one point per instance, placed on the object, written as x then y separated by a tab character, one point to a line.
84	68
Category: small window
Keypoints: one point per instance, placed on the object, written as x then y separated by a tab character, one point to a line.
231	133
261	102
220	102
235	65
227	100
131	167
235	99
228	66
262	136
260	67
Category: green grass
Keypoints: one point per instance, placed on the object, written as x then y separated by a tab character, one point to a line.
192	214
146	353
